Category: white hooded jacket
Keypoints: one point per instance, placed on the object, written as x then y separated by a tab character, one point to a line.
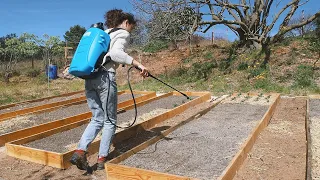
118	45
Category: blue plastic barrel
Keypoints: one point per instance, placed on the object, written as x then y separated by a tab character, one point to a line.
53	71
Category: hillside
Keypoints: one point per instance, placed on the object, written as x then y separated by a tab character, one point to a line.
292	69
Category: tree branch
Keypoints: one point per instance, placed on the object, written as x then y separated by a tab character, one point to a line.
268	29
286	29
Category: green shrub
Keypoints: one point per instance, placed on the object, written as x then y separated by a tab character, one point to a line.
202	70
242	66
33	72
304	76
187	60
155	46
208	55
226	63
253	72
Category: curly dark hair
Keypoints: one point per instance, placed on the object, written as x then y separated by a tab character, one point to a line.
115	17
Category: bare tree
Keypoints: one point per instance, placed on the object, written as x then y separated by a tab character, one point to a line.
171	20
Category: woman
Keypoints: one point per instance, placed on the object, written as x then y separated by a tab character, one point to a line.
120	25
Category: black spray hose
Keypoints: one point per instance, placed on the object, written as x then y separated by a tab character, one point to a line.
150	75
134	101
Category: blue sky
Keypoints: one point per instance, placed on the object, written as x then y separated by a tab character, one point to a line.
55	17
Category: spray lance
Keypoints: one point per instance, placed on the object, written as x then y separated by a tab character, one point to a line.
150	75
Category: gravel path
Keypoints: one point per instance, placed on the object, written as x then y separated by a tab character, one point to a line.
315	137
21	122
204	147
60	142
33	104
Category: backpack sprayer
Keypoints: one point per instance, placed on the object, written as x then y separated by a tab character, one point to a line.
87	61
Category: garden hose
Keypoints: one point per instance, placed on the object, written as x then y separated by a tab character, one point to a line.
134	101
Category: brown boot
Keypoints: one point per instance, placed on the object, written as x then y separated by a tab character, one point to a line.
100	162
79	158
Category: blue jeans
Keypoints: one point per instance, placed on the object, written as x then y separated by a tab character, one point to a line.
96	93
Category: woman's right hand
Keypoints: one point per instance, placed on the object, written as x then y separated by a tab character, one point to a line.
144	72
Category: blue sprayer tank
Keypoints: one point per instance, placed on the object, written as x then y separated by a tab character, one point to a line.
93	43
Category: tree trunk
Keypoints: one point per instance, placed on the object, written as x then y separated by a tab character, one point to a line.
266	49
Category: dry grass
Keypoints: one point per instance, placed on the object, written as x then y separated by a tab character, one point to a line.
23	88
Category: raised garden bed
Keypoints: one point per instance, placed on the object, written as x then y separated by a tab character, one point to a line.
212	146
19	169
65	141
60	160
28	131
36	119
203	148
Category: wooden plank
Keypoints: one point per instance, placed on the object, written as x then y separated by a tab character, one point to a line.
44	108
41	99
314	96
146	144
138	99
34	155
121	172
62	122
238	159
137	92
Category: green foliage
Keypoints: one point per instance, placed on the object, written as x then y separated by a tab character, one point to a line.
317	23
74	35
173	25
226	63
202	70
242	66
187	60
33	72
208	55
254	72
304	76
155	46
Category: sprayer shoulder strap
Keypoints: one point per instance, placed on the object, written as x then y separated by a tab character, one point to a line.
109	59
114	30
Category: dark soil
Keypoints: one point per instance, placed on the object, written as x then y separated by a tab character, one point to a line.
280	149
59	142
21	122
204	147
